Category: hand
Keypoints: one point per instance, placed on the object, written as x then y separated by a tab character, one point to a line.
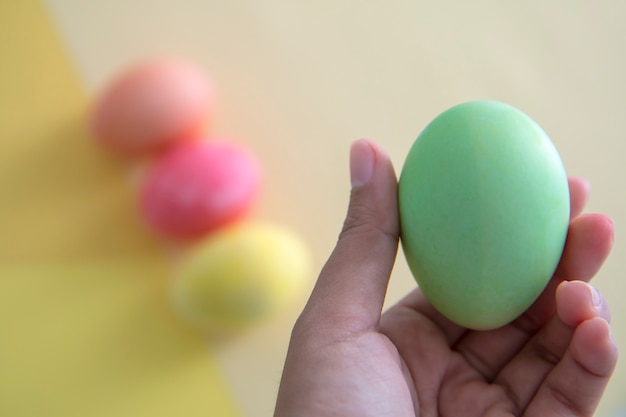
347	359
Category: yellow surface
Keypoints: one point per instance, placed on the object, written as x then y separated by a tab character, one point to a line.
299	80
85	325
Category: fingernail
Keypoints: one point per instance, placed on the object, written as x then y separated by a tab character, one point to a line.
362	159
596	298
611	335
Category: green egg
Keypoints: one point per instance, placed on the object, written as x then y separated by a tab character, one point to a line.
484	212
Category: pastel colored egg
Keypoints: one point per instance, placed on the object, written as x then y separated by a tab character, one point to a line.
198	186
241	276
152	105
484	211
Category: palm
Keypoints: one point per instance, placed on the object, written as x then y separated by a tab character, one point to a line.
507	371
429	366
346	359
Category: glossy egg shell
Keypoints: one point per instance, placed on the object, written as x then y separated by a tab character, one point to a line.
484	212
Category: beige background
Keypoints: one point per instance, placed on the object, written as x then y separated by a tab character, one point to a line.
298	81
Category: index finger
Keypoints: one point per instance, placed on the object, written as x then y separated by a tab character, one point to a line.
579	193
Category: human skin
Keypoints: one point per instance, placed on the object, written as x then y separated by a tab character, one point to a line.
346	358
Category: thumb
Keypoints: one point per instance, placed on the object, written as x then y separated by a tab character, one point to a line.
351	288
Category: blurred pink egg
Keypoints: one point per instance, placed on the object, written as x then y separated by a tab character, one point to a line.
198	186
152	105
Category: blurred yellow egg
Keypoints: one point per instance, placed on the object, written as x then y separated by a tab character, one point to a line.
240	276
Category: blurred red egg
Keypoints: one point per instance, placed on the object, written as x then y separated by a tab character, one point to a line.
153	105
198	186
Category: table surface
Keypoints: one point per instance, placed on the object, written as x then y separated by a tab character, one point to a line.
297	82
